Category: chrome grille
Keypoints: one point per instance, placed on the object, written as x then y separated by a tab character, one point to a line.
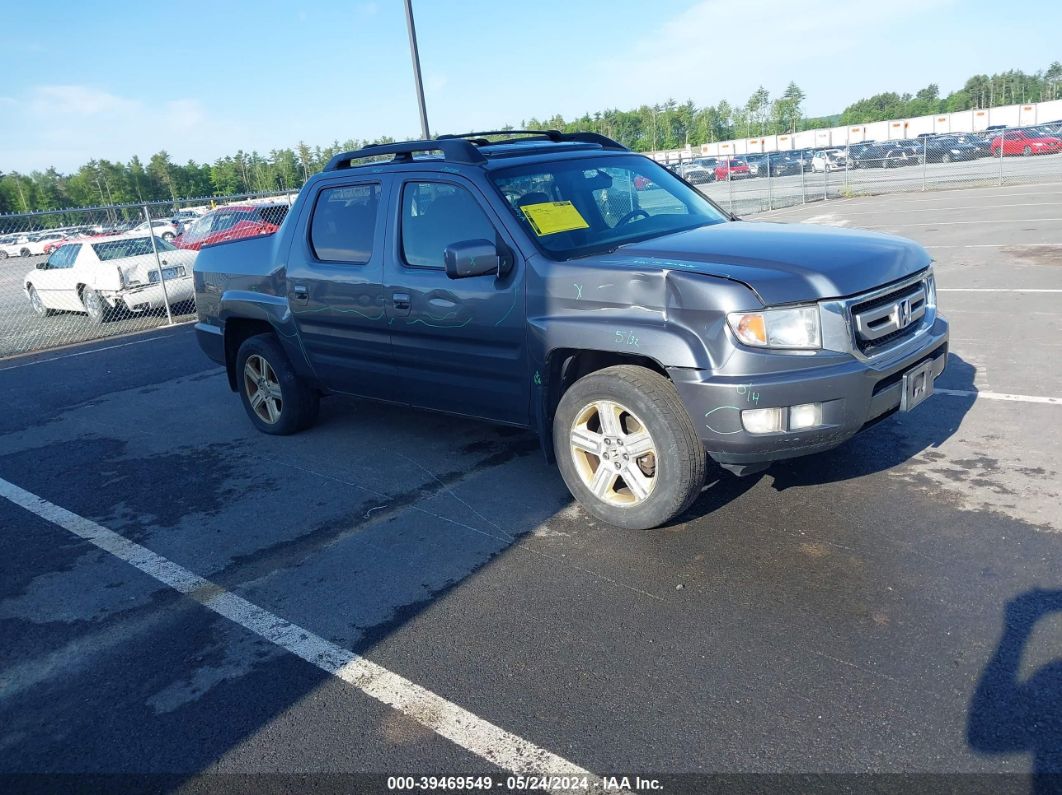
889	317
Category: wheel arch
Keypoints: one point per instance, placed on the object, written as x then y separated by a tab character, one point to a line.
237	331
565	366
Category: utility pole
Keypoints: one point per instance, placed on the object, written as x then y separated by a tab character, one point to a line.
416	70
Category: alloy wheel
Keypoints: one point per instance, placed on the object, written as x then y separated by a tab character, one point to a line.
36	302
263	389
613	452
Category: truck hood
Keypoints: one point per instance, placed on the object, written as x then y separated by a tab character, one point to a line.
785	263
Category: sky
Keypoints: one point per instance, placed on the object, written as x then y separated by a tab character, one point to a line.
111	79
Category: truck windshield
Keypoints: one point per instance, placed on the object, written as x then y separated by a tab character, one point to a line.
574	208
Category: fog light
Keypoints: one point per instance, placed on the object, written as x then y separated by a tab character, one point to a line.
806	415
763	420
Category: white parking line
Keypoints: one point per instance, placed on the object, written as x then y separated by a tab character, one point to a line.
1000	396
992	207
965	223
446	719
994	245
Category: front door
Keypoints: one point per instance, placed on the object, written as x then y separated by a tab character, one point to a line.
459	344
335	288
56	282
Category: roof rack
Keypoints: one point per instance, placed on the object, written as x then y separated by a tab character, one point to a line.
454	150
556	136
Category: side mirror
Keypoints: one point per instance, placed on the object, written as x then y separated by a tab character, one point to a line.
475	258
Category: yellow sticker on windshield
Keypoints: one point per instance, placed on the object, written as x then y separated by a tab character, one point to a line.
549	218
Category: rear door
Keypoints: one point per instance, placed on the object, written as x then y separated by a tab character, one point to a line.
459	344
335	287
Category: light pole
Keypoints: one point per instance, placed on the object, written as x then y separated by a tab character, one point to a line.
416	70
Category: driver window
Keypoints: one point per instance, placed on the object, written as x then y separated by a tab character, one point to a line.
436	215
631	197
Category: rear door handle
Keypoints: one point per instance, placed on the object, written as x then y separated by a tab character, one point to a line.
401	304
300	292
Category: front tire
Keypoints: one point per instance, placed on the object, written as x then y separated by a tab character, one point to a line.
274	397
168	236
1027	151
39	309
627	449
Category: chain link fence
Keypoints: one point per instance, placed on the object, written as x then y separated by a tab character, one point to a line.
758	182
68	276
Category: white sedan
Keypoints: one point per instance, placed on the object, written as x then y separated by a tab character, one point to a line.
828	160
105	276
29	245
167	230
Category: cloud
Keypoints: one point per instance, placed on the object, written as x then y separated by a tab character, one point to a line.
708	53
67	125
76	100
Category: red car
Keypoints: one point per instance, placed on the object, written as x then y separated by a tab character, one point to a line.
232	222
1026	142
736	167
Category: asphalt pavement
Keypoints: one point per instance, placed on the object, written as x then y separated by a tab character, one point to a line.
839	614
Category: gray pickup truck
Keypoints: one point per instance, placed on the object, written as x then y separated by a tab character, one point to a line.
561	283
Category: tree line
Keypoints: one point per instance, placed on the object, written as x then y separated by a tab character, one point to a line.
669	125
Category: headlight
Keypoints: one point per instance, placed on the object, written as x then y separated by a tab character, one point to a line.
778	328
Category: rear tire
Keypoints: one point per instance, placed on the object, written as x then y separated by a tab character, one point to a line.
945	158
1027	151
277	401
95	307
625	408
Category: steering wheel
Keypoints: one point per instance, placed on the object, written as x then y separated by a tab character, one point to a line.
631	216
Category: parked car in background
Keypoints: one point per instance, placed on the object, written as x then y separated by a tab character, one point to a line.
946	149
14	246
754	162
829	160
185	217
980	142
1025	142
804	157
782	164
160	227
732	168
695	173
31	245
236	221
886	155
106	276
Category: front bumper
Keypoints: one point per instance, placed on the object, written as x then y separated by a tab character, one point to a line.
853	394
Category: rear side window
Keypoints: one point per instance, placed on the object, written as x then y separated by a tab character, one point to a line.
129	247
344	222
273	215
64	256
436	215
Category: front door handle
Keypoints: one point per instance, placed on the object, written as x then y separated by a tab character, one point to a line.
300	292
401	303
